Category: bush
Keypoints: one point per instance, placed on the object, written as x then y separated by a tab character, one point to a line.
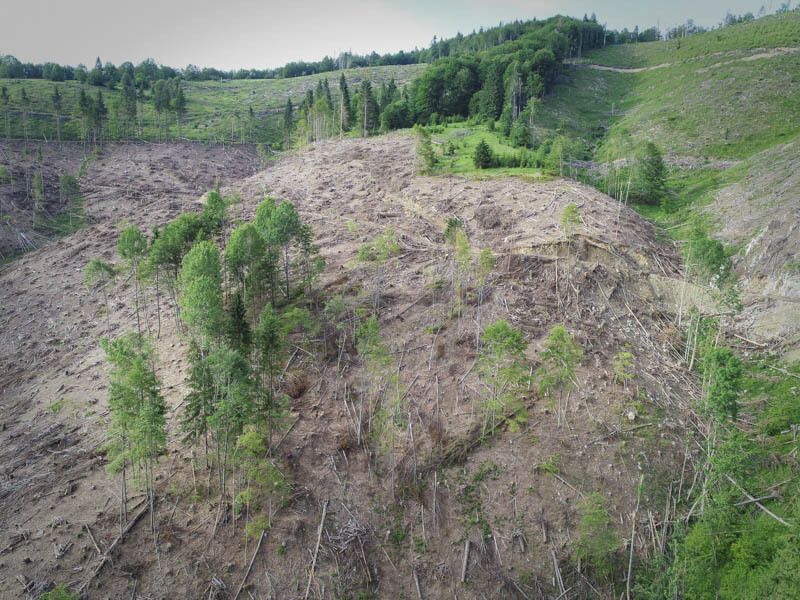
596	542
59	593
724	371
5	175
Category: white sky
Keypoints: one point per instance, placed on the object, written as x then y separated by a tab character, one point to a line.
250	33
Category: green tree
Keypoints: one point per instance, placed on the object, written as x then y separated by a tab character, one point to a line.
271	344
137	434
596	542
570	220
483	157
503	369
425	149
5	100
723	372
368	110
132	248
560	358
179	105
288	123
653	174
129	100
200	297
25	102
57	105
100	274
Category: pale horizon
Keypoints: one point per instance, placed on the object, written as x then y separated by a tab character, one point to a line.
250	34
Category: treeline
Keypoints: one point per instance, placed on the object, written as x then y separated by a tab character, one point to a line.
497	83
584	34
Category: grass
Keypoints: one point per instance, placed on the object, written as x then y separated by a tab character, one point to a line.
775	31
462	138
216	110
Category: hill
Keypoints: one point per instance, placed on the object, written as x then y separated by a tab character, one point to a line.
216	111
412	508
540	346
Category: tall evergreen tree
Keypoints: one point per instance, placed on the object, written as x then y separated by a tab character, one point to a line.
179	105
368	110
25	102
5	101
288	122
56	100
346	109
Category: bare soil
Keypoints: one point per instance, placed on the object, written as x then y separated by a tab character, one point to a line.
513	495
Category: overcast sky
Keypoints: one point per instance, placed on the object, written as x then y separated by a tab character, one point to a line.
251	33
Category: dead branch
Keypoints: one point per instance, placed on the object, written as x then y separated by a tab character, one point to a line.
316	550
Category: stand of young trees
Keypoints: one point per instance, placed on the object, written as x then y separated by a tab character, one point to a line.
238	308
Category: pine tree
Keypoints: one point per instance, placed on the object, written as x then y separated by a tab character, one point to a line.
5	101
56	100
653	174
200	297
239	336
288	123
483	157
179	105
132	248
560	358
346	109
101	274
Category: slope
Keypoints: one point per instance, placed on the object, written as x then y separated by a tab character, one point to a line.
514	498
722	105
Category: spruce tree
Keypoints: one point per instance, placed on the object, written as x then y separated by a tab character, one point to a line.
5	101
239	335
56	100
483	157
346	115
653	175
288	123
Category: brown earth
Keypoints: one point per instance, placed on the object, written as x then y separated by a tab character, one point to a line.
389	531
760	215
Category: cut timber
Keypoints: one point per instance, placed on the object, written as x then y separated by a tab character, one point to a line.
465	563
107	555
250	566
316	550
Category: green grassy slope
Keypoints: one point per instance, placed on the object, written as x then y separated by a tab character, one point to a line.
217	110
725	107
775	31
725	94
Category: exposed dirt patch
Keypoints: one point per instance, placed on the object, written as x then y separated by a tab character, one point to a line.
518	485
760	215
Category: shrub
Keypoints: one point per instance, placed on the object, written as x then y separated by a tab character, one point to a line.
596	541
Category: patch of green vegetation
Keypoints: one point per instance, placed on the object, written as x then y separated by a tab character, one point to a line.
5	175
55	407
597	541
215	111
775	31
59	593
734	548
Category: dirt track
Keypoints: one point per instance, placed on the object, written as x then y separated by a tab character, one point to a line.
53	383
